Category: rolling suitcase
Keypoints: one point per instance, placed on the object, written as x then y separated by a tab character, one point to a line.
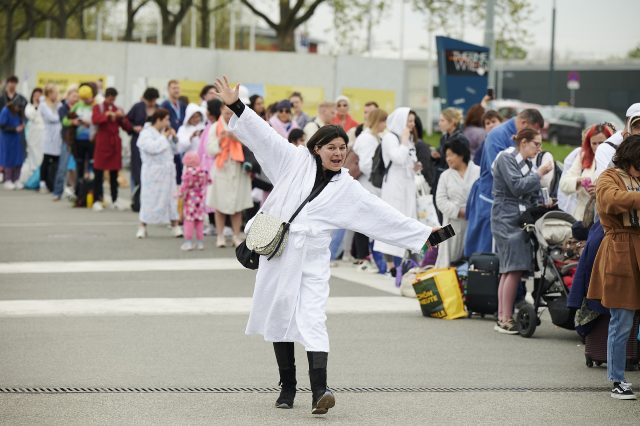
482	284
595	345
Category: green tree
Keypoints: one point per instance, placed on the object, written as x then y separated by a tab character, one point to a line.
634	53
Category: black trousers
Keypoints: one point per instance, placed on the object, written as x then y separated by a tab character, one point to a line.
83	153
136	162
360	246
48	170
98	190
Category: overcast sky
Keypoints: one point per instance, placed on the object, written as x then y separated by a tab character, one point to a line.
585	29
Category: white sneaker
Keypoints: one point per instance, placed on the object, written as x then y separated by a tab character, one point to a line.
43	188
9	185
209	230
121	205
19	185
142	232
97	206
186	246
221	242
237	241
68	192
199	245
176	231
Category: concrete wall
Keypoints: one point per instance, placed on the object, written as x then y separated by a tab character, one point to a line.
130	64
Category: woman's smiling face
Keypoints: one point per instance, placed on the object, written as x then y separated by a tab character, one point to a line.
333	154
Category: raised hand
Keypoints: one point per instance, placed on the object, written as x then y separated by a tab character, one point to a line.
225	92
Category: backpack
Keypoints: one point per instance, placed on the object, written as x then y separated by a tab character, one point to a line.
557	174
378	169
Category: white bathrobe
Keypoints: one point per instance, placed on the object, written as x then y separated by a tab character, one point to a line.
186	140
291	291
451	196
158	203
399	185
365	146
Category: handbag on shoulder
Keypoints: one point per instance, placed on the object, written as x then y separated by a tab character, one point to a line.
268	235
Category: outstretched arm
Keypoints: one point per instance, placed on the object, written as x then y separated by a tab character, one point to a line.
273	152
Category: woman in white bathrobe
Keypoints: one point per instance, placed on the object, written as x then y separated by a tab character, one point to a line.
399	185
158	202
451	197
291	291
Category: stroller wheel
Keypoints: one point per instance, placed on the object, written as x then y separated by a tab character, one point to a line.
527	320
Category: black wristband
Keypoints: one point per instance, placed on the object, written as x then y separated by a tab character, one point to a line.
237	107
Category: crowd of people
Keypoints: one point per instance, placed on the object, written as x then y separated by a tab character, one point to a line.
188	168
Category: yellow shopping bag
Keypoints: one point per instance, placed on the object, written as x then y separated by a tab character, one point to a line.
439	294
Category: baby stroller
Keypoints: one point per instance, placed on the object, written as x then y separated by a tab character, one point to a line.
552	265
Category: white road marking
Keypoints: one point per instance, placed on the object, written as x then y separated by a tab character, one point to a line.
345	271
55	225
188	306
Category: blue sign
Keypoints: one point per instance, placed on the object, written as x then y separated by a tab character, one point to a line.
463	72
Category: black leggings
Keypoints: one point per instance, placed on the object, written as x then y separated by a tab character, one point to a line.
98	191
48	170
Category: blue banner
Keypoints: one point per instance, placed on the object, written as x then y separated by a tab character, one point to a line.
463	72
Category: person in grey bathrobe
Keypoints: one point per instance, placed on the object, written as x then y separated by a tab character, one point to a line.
516	187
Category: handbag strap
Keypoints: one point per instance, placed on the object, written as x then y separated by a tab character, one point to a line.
286	225
311	196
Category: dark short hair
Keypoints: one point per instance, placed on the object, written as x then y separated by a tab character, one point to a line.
159	114
205	89
532	116
297	94
460	148
295	135
253	99
12	79
214	107
36	90
111	91
490	115
628	153
474	116
324	136
150	94
371	103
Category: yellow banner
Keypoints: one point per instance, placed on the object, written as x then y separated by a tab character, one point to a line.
312	96
386	99
191	89
64	80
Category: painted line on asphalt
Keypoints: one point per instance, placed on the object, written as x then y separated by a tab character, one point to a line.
132	224
345	271
188	306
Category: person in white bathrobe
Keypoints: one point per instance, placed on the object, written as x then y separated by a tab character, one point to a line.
399	185
191	129
158	201
291	291
451	197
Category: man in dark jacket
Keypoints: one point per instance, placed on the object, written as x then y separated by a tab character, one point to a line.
176	109
137	116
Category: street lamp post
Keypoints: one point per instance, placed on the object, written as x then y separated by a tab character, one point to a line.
552	83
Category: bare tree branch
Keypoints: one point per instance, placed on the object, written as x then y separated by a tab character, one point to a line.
260	14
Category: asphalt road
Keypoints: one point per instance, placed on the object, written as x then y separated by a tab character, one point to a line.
83	304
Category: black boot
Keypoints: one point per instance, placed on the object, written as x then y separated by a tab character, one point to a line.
321	397
287	367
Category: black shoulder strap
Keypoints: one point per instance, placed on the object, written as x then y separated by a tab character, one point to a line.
612	145
286	225
539	158
311	196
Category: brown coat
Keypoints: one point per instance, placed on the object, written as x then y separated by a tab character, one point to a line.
615	280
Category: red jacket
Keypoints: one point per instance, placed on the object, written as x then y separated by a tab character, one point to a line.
107	153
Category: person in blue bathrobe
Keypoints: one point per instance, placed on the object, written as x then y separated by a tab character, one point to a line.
478	238
11	150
